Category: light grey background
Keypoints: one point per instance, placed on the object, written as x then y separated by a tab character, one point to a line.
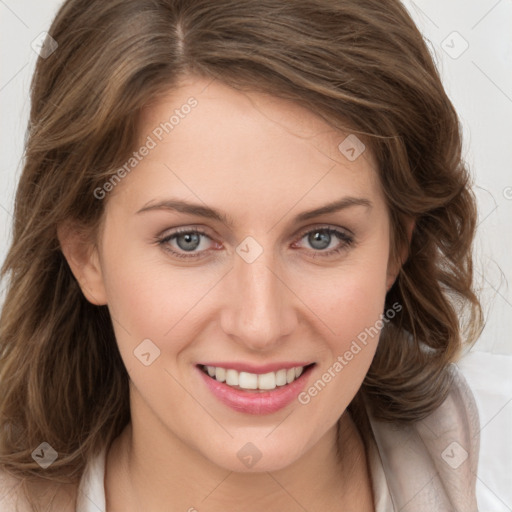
478	79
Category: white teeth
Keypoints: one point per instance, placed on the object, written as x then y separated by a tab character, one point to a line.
232	377
220	374
267	380
246	380
281	378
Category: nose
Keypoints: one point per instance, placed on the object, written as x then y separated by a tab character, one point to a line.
259	311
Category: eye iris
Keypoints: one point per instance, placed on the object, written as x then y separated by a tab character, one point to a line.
190	238
322	236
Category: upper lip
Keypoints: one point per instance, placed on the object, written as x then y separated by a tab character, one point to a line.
257	369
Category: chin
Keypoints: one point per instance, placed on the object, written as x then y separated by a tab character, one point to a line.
254	456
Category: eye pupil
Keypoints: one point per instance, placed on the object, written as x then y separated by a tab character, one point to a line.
320	236
190	238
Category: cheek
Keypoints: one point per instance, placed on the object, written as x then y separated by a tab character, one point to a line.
151	299
349	309
348	299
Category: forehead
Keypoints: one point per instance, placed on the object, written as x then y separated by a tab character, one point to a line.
224	145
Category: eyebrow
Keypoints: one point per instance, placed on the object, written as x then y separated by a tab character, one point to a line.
210	213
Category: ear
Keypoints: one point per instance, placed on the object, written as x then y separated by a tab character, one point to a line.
83	259
395	266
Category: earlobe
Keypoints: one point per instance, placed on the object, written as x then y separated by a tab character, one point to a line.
391	278
83	260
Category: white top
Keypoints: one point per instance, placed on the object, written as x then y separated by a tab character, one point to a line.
430	465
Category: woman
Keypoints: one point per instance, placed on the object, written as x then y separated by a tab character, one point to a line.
241	265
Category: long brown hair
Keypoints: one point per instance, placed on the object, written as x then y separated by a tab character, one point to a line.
360	64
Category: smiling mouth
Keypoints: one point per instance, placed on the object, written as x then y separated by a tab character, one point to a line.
246	381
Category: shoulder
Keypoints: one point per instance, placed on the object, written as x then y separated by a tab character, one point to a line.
11	493
432	463
457	417
54	497
454	427
451	435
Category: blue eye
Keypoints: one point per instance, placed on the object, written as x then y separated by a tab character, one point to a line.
188	240
321	238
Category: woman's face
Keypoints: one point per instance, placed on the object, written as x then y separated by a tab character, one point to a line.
253	284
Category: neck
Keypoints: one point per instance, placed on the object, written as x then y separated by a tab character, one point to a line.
143	476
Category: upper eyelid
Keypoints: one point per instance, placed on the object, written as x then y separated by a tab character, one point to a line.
204	231
321	226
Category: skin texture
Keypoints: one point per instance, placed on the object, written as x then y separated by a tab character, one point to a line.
261	161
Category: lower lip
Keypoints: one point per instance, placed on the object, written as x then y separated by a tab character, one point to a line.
251	402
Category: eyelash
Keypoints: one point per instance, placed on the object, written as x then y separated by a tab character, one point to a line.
346	240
